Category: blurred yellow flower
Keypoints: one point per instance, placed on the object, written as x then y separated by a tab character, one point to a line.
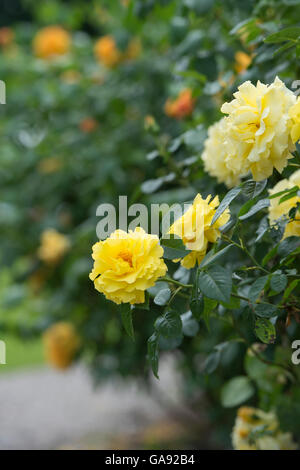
242	61
51	41
61	342
49	165
53	246
258	129
214	155
126	264
277	210
182	106
6	36
195	229
295	115
255	429
106	51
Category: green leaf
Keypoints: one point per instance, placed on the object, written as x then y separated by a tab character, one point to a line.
152	347
270	255
230	196
256	208
213	256
162	297
285	191
126	316
236	391
262	229
266	310
197	299
173	247
265	330
212	362
257	287
286	34
287	246
190	326
288	196
279	282
169	325
216	283
290	288
209	306
252	188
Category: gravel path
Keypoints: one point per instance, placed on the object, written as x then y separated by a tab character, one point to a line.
45	409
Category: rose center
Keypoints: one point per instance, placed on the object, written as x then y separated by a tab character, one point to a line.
126	256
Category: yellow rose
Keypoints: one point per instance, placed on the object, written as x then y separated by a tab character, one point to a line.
61	343
258	129
53	246
51	41
248	421
242	61
195	229
126	264
295	115
277	210
214	155
106	51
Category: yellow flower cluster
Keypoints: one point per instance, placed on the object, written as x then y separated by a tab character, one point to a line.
126	264
182	106
61	343
107	52
257	134
255	429
276	210
51	41
195	229
53	246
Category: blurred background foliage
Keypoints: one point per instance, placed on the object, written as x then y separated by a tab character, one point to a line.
76	133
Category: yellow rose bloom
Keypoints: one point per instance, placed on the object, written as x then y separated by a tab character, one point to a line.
242	61
214	155
126	264
51	41
61	342
295	115
106	51
250	420
53	246
195	229
277	210
258	129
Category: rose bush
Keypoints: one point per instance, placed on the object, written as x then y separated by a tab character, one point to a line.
183	101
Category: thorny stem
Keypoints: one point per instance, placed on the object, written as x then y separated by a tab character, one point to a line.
176	283
245	250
